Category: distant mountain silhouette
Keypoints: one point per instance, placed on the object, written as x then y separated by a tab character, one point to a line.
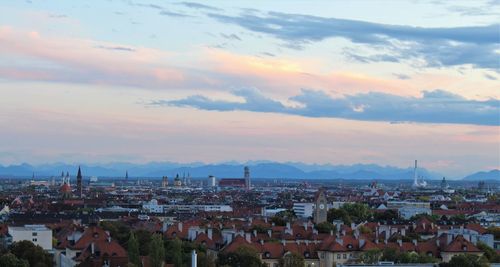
258	169
483	176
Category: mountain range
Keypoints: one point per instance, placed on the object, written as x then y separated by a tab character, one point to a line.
259	169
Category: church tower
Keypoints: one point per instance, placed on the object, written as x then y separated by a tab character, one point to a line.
320	209
247	177
79	189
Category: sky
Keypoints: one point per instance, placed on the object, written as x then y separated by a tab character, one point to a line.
338	82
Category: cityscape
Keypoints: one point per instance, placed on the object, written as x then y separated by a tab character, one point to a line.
250	133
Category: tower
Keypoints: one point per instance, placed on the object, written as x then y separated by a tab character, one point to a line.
247	177
320	209
79	189
444	184
415	175
164	182
126	176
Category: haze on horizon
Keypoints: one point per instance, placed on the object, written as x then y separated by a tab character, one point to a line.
339	82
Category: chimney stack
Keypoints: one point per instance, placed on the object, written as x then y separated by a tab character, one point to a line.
194	259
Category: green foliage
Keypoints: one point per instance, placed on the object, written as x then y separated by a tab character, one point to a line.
413	257
390	254
292	260
244	256
35	255
325	227
355	212
118	230
133	250
365	229
174	252
144	238
278	221
11	260
371	256
466	260
387	215
206	260
490	253
260	229
339	214
156	251
358	212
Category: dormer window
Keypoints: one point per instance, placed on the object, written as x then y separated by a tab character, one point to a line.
307	254
267	254
464	247
349	246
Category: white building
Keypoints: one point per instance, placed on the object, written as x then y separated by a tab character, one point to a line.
152	206
303	210
408	212
38	234
212	181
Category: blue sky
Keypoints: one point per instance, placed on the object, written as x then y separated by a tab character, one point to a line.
336	82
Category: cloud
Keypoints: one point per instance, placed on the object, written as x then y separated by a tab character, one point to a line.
116	48
231	36
174	14
475	45
199	6
437	106
401	76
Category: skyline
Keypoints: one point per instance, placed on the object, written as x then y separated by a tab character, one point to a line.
336	82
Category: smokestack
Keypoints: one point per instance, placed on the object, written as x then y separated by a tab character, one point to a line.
194	259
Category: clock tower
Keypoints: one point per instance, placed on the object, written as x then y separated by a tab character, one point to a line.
320	209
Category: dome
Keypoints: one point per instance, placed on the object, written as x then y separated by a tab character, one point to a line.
65	188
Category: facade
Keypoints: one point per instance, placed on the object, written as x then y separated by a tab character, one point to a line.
400	204
303	210
408	212
38	234
320	208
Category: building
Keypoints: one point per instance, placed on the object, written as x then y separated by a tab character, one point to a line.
303	210
212	181
38	234
238	182
164	181
177	181
79	178
408	212
395	205
320	207
246	175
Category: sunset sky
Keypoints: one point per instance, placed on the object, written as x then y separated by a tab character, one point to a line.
337	82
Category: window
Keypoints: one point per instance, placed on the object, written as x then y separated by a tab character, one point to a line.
34	239
34	234
338	256
344	256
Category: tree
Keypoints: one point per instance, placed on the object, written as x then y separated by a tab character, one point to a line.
325	227
387	215
358	212
466	260
339	214
489	252
174	252
389	254
206	259
133	250
35	255
11	260
157	251
292	260
371	256
144	238
118	230
244	256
